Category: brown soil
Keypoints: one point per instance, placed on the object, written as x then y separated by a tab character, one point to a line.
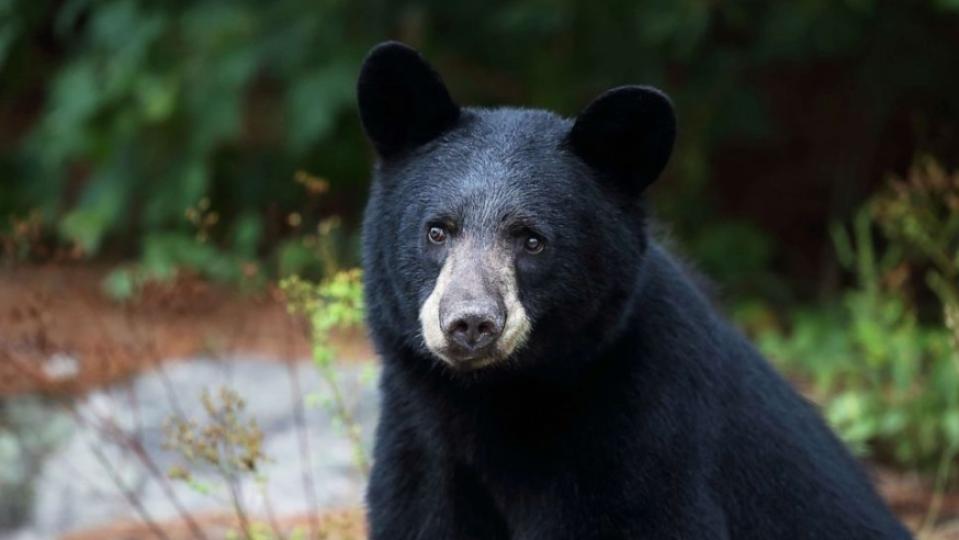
61	309
338	525
910	497
46	311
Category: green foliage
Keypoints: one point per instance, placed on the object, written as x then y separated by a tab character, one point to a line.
153	103
148	107
23	237
165	254
921	213
888	381
334	304
747	272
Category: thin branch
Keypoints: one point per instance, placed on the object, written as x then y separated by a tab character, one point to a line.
942	481
270	514
127	493
306	461
131	497
108	427
349	421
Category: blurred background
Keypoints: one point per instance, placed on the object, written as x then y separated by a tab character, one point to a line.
181	184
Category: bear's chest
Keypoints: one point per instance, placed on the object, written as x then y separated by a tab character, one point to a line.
509	434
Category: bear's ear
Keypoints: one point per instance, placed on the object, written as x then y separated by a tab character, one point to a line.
627	135
403	102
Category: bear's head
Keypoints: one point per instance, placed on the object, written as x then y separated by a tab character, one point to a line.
502	238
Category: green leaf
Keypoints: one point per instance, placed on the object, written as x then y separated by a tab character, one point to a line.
120	284
950	425
315	101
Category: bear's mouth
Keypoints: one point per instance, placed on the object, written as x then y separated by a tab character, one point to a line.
474	364
463	360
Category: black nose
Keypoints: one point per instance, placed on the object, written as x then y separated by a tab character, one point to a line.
473	328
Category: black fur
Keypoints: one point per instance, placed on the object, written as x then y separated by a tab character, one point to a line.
627	132
634	410
403	102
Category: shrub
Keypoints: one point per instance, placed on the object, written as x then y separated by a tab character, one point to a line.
336	303
888	380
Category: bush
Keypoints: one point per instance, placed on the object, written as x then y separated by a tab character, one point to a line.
334	304
887	380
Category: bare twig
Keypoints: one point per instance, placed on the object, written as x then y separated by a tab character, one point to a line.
270	514
328	373
306	461
152	354
127	493
942	481
81	421
109	427
236	494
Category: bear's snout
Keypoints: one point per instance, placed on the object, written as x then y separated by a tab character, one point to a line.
473	317
472	327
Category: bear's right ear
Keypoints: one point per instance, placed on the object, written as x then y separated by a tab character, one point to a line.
403	102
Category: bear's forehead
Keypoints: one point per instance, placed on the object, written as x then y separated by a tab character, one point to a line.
508	150
495	166
500	162
511	129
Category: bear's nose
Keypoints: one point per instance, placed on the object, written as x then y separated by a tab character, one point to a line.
473	327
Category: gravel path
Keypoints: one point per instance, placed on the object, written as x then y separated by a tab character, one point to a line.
73	491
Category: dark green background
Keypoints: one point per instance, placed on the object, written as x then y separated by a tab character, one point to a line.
117	115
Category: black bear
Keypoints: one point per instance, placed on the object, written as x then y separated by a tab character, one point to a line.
550	371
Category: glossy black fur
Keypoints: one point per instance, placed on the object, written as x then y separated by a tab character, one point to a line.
634	411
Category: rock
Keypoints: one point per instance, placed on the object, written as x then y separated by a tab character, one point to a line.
30	429
74	489
60	367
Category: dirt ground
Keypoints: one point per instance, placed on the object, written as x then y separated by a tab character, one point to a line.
56	319
335	525
60	335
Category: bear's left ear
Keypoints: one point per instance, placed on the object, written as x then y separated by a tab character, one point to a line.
403	102
626	134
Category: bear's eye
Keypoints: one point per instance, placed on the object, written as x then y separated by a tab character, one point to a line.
533	244
437	234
